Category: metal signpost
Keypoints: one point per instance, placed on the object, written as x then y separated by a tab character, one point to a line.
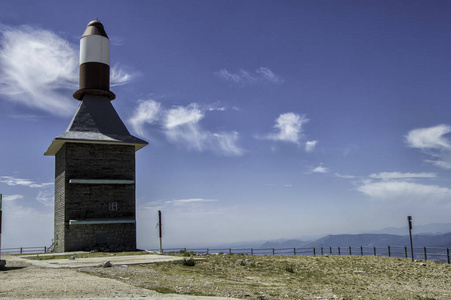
2	262
409	219
159	227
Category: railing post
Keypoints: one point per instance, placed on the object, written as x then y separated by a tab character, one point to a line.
405	250
20	250
447	254
252	251
389	252
361	251
45	249
330	250
374	251
350	250
314	251
230	251
294	251
339	252
322	252
273	252
425	254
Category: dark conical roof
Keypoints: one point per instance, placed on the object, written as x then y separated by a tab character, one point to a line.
95	28
96	121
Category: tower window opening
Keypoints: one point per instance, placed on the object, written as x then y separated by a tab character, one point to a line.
112	206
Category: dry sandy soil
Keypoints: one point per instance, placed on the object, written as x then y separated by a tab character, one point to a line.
224	275
22	280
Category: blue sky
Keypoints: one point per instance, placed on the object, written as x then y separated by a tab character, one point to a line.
265	119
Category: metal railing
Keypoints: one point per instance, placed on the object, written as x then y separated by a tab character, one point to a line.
420	253
24	250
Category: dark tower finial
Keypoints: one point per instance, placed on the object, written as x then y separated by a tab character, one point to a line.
94	62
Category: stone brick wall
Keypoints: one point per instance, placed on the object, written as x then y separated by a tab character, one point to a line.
118	237
91	201
60	199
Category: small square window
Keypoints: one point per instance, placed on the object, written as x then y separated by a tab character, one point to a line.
112	206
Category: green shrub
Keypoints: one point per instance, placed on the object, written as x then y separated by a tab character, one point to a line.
189	262
289	269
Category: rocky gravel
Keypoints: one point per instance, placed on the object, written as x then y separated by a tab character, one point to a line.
22	280
224	276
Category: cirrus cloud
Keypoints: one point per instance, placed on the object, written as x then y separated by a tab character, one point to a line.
147	112
39	69
403	188
12	197
320	169
262	75
181	125
433	142
189	201
23	182
310	146
400	175
289	129
404	191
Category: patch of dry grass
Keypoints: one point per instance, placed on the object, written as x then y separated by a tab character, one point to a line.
292	277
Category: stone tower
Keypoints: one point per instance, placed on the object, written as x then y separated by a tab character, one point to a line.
95	161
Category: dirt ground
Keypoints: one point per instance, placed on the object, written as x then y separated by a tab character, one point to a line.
22	280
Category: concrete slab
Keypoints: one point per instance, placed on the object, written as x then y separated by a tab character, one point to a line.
22	281
96	261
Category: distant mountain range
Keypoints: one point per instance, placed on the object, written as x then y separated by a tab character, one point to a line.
417	229
431	235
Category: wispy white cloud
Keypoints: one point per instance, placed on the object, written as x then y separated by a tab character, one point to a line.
310	146
34	65
320	169
269	76
181	125
399	175
433	142
288	128
190	201
180	116
429	138
147	112
23	182
45	197
228	143
399	187
119	76
39	69
345	176
404	191
262	75
227	76
12	197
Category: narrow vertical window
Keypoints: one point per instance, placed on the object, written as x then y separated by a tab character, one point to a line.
112	206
